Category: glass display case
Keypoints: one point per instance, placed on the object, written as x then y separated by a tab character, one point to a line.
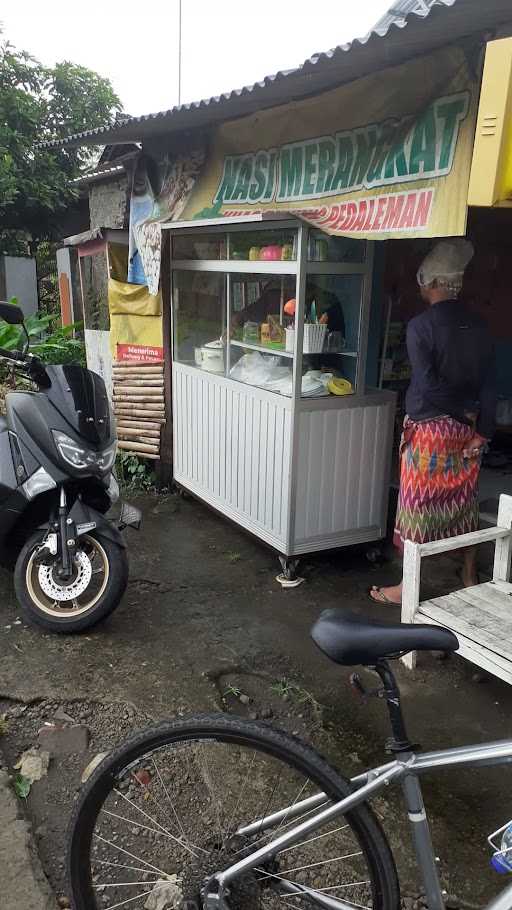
235	310
272	422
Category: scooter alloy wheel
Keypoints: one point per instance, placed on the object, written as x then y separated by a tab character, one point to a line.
55	590
93	591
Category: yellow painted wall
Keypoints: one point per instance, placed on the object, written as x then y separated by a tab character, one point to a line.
491	169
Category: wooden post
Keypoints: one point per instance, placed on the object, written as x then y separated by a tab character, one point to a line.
503	549
164	472
411	591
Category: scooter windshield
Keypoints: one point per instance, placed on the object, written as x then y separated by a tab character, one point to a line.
81	398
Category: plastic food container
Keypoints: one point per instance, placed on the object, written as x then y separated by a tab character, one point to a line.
270	253
313	340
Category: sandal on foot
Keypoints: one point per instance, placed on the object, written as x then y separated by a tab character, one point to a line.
381	599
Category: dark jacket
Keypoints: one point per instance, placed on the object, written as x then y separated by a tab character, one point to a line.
453	370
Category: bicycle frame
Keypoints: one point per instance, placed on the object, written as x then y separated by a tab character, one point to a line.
406	769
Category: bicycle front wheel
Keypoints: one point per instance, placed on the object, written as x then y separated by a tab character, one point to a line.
177	803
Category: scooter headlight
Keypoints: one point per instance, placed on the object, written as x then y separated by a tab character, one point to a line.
83	459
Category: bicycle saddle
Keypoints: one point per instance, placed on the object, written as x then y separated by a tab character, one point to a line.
349	639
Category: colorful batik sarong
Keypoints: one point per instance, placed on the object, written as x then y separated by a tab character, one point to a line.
438	487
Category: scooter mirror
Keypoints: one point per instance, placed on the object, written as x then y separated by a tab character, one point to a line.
11	313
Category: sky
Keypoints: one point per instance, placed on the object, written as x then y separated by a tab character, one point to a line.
226	44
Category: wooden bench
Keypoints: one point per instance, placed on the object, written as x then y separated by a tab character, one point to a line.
480	616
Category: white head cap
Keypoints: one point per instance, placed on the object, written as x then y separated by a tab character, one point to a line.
446	263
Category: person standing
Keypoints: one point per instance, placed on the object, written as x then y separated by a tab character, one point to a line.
450	405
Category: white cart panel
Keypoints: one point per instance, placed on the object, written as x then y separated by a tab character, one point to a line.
342	473
232	447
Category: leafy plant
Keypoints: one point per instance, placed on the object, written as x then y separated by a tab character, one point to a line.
282	688
22	786
133	473
53	345
232	690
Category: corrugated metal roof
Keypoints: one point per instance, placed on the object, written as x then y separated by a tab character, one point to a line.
398	13
97	233
410	28
96	176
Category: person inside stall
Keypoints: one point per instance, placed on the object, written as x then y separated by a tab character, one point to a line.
451	405
321	304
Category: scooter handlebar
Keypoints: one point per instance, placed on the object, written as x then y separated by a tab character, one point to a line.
28	364
17	357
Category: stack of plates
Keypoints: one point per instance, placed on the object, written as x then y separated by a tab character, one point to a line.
311	386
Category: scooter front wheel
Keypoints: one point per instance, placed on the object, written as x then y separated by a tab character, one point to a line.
95	588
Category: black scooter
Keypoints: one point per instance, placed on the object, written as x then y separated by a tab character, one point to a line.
57	451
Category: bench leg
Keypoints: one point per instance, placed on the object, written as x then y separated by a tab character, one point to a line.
411	592
409	660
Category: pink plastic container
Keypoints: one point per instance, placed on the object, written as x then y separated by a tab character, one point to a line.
270	253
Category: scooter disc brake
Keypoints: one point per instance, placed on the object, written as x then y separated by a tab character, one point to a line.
76	586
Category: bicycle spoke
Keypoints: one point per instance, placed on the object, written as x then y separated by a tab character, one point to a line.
296	800
205	774
348	885
311	839
168	833
124	885
104	862
271	834
267	812
312	892
129	900
281	875
322	862
178	820
176	815
138	859
241	793
159	807
137	824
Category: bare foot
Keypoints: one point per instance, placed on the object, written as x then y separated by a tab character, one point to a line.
391	595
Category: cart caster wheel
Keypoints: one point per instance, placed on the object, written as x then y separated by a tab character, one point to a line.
375	555
288	577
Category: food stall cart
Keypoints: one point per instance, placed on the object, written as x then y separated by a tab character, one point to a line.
273	424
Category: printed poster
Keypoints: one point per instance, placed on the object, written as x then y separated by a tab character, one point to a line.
386	156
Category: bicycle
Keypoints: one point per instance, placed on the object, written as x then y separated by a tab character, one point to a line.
219	813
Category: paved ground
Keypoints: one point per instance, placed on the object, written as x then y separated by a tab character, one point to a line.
23	881
203	613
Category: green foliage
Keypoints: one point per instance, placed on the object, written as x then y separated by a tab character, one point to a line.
22	786
134	473
39	103
53	345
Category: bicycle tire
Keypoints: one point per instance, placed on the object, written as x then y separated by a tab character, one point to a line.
233	730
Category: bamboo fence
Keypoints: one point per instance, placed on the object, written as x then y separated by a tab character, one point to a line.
139	407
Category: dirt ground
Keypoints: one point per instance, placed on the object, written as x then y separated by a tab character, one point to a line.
204	621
